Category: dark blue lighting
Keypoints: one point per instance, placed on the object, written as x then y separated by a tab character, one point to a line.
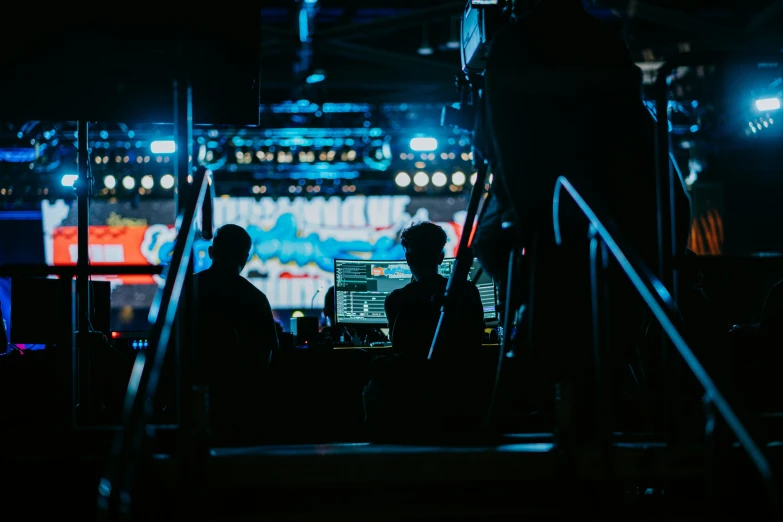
316	77
17	155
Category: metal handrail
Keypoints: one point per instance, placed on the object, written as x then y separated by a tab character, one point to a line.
659	301
114	490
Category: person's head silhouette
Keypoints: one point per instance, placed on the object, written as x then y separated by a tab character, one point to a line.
230	248
329	305
423	244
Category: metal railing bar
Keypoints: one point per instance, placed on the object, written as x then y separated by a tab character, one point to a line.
660	302
115	488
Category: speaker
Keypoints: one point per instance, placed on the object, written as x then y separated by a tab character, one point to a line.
83	65
305	330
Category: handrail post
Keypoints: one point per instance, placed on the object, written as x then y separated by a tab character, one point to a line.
183	138
602	365
83	189
664	181
115	488
601	339
711	448
187	450
660	303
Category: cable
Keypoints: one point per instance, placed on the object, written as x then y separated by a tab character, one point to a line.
312	301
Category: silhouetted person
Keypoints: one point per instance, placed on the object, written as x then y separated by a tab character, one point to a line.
413	311
408	395
236	334
329	328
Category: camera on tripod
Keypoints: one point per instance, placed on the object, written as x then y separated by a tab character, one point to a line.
480	21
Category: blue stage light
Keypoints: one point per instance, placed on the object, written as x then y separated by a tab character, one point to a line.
163	147
316	77
424	144
768	104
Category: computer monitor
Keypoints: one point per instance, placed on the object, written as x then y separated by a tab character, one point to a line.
361	287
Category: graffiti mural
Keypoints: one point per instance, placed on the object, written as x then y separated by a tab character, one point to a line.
295	241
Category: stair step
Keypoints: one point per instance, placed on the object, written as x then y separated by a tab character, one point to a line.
362	463
338	463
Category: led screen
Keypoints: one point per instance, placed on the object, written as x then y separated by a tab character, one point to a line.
295	241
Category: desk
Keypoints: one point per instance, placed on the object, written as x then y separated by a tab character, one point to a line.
386	347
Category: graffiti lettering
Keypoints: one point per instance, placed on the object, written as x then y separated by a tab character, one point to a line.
294	241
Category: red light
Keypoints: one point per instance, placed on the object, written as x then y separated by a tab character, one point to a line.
115	335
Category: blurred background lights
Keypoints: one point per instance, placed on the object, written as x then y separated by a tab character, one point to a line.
439	179
402	179
421	179
167	181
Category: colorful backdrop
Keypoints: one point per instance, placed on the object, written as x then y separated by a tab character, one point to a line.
295	241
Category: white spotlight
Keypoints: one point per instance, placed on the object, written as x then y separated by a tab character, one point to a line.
69	180
458	178
167	181
768	104
421	179
439	179
402	179
163	147
147	182
110	182
424	144
128	182
473	178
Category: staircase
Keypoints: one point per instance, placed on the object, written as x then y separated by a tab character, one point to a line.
517	476
143	471
539	476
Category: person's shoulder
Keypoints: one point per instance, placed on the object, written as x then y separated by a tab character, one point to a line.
249	289
471	289
203	275
396	294
205	280
400	295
